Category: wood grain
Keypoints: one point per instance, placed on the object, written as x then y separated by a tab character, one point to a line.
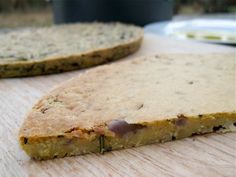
209	155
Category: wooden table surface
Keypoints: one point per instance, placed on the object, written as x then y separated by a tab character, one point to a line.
209	155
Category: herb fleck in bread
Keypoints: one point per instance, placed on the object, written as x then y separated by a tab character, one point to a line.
132	103
61	48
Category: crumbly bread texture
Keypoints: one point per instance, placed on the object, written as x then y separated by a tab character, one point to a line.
132	103
55	49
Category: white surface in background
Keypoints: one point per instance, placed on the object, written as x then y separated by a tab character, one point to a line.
209	30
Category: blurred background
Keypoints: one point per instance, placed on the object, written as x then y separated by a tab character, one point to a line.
18	13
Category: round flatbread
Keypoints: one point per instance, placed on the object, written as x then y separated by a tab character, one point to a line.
36	51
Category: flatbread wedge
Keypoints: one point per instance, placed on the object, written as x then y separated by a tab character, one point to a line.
37	51
132	103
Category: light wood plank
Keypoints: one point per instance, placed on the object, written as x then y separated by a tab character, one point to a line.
209	155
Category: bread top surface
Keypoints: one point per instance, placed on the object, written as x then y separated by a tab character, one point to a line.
138	90
33	44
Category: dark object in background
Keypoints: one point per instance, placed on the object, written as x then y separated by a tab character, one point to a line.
139	12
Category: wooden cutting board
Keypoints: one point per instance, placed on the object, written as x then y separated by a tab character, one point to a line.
209	155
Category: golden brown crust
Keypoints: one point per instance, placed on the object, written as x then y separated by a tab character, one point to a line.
133	103
145	91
